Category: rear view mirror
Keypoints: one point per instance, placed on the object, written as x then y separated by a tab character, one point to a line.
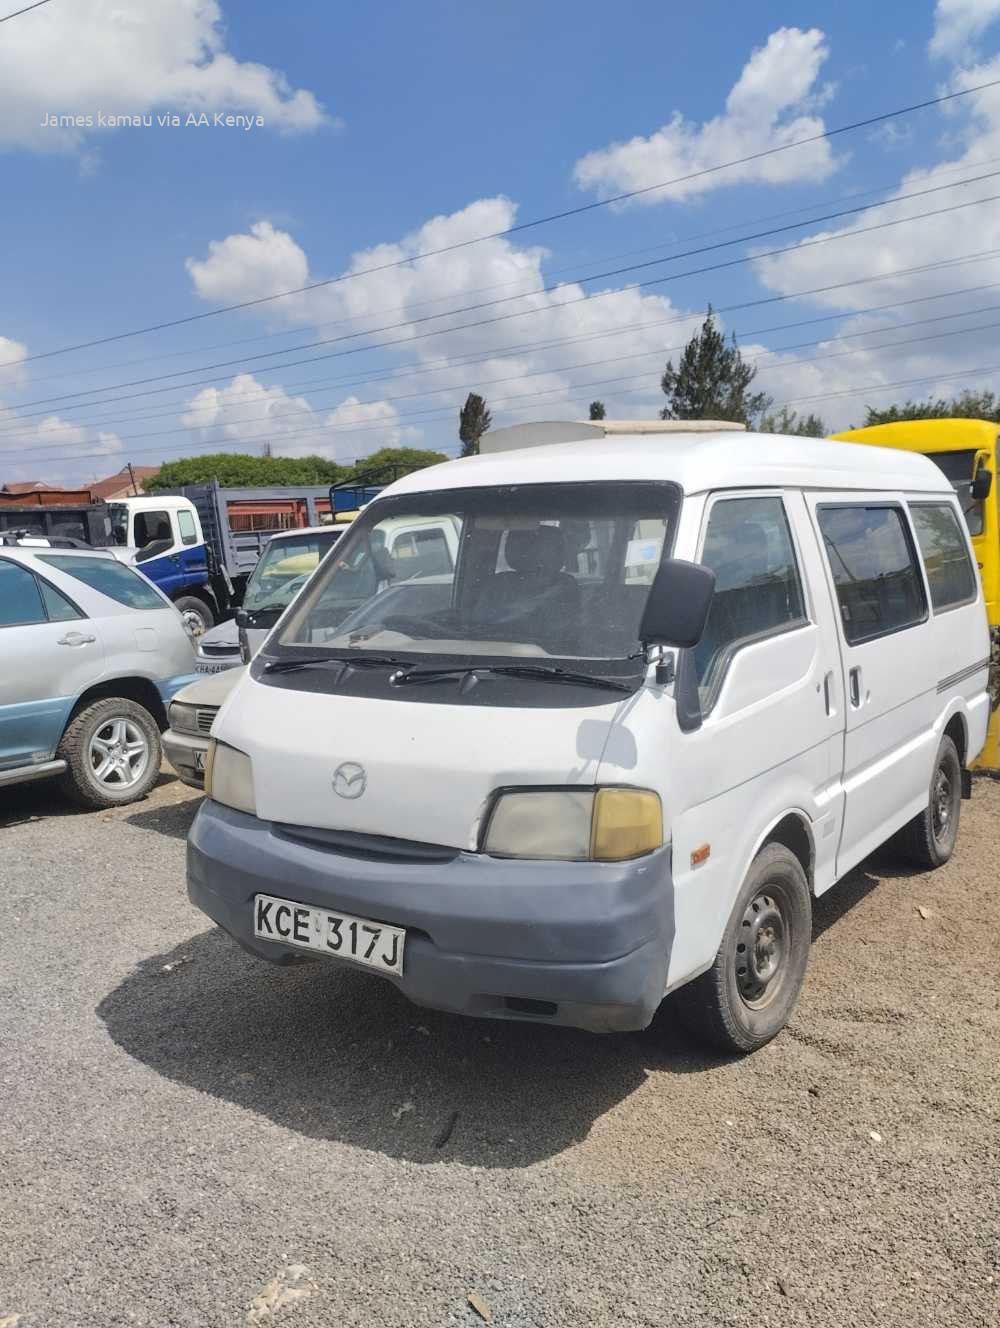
677	606
982	483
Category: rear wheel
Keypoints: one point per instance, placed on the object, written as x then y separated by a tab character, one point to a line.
928	841
748	994
112	753
196	613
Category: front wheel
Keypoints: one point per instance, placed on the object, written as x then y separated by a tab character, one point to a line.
928	841
196	614
748	994
112	753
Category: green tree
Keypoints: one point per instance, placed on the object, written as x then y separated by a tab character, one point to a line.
473	421
597	410
240	470
389	463
712	381
788	421
968	405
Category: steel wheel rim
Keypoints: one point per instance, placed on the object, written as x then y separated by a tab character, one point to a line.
118	753
942	804
762	948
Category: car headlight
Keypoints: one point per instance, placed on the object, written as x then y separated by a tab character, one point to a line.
229	777
183	718
598	825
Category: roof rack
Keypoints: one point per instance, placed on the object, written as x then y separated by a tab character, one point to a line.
576	431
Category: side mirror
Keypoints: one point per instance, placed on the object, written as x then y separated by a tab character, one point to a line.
982	483
242	618
677	605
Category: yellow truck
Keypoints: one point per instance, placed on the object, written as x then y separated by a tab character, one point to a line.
966	450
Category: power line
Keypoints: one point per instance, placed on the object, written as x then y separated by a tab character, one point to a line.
524	225
599	276
563	390
504	285
587	364
27	9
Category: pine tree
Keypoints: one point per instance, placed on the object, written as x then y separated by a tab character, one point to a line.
473	421
711	381
597	410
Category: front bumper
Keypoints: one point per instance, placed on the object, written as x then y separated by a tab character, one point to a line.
577	943
186	753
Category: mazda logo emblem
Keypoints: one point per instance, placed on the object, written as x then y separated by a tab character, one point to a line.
349	780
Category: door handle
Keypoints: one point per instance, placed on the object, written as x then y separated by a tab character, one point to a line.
76	639
828	693
854	678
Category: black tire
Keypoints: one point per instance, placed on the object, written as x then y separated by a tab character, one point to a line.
928	841
748	994
81	782
192	607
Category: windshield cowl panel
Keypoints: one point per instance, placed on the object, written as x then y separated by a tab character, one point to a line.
557	574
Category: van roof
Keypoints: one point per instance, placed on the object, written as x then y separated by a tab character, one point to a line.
697	461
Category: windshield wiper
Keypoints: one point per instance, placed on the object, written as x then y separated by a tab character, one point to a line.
320	661
546	673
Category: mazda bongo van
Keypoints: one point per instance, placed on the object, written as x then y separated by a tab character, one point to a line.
666	684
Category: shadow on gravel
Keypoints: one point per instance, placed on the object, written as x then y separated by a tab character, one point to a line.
336	1054
173	821
42	799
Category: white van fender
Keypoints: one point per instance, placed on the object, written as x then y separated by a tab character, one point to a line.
794	829
957	707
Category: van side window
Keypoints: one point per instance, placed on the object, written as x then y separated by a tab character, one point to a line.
758	589
879	587
185	523
950	574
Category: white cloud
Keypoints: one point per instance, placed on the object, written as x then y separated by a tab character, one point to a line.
246	267
246	414
102	57
12	373
958	23
514	350
768	106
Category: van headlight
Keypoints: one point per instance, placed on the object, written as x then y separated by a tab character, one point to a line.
593	825
229	777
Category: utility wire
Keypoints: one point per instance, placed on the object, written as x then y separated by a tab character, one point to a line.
26	10
549	290
524	225
570	388
504	285
586	364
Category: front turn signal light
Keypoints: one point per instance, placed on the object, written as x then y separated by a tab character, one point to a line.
626	823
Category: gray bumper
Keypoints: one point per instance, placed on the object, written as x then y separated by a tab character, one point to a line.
183	751
576	943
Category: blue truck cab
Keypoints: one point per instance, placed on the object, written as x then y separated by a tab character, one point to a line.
164	536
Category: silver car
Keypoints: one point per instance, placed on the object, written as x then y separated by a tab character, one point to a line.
191	715
91	655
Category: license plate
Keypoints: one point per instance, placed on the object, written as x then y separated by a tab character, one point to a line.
199	761
211	668
329	933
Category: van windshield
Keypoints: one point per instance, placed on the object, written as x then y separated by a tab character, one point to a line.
554	570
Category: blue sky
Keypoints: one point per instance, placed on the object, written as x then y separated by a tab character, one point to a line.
378	119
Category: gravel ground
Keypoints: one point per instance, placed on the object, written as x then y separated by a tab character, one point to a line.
184	1129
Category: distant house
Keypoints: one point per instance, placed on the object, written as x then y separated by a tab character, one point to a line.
30	486
120	485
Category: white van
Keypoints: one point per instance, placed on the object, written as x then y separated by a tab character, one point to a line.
674	685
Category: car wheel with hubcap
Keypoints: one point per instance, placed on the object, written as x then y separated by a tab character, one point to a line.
197	615
748	994
112	753
928	841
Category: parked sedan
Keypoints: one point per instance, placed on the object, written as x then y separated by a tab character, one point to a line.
92	653
191	714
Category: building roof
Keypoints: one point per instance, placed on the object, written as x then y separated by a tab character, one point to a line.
30	486
696	461
113	484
